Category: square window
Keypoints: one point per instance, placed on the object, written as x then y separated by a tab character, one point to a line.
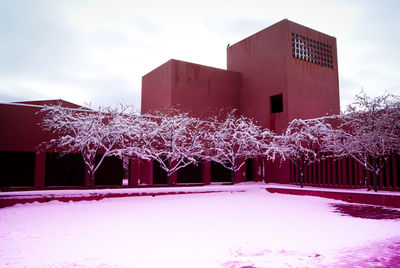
276	103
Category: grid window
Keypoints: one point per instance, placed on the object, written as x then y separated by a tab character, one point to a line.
311	50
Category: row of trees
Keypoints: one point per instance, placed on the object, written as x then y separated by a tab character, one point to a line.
174	140
368	131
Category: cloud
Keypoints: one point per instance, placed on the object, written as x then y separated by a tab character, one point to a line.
34	39
237	28
98	51
42	56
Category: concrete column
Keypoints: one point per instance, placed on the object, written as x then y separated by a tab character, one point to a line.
334	171
134	172
387	172
146	171
350	169
381	175
361	175
323	171
206	172
257	169
394	170
315	172
264	171
339	171
40	170
328	168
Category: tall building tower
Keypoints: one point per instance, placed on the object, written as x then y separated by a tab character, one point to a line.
287	71
283	72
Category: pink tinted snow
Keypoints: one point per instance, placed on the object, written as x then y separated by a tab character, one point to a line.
246	228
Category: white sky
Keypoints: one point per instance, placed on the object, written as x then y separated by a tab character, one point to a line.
97	50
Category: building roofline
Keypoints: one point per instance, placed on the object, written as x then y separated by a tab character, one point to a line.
21	104
277	23
170	61
42	103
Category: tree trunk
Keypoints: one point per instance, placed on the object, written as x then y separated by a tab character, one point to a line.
91	180
172	178
301	178
375	175
375	181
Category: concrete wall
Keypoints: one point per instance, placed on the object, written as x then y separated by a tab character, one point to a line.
266	63
25	163
200	90
156	89
20	128
268	68
313	90
261	59
203	91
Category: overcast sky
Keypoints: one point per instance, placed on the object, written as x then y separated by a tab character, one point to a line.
96	51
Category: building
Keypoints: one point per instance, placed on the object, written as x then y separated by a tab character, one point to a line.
283	72
24	163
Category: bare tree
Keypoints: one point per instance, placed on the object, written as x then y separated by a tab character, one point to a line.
139	133
301	143
231	141
90	132
174	141
369	132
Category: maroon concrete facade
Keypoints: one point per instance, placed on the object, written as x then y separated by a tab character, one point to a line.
24	163
283	72
200	90
269	66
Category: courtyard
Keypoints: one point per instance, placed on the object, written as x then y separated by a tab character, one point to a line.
239	226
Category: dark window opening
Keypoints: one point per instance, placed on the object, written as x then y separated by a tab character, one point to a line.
276	103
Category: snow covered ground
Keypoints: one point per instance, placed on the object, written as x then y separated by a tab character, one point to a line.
247	228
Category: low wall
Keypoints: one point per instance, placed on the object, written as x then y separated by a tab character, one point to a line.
351	197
